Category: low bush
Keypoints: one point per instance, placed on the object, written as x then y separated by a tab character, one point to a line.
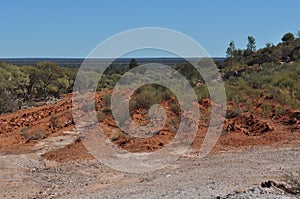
106	111
30	134
280	110
235	111
175	108
149	95
101	116
107	100
55	123
201	91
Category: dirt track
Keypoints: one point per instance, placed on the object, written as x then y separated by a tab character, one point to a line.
28	176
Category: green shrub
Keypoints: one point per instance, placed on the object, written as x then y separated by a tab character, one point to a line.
234	112
280	110
101	116
201	91
55	123
30	134
147	96
117	135
114	139
107	100
173	124
106	111
175	108
267	108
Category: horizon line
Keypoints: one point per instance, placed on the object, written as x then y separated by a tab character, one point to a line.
158	57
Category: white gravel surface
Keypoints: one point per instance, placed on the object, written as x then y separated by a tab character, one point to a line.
227	175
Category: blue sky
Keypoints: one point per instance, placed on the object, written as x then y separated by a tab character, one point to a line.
66	28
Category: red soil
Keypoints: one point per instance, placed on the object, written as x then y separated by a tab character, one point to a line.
18	131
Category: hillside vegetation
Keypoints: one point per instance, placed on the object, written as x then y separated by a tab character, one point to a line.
272	72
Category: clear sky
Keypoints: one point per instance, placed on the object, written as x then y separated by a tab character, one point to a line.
72	28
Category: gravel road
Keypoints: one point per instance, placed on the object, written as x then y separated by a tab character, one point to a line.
235	174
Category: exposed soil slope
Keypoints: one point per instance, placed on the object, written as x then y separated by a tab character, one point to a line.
20	131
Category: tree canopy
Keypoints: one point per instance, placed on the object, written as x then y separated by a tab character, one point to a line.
21	85
251	46
133	63
288	37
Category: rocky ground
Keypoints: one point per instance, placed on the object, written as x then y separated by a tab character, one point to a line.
237	174
42	156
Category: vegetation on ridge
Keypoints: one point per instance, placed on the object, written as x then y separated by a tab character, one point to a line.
272	72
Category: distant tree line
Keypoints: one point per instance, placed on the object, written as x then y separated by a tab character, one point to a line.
25	85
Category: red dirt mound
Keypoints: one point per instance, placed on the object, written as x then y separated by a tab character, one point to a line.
71	152
252	126
21	130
